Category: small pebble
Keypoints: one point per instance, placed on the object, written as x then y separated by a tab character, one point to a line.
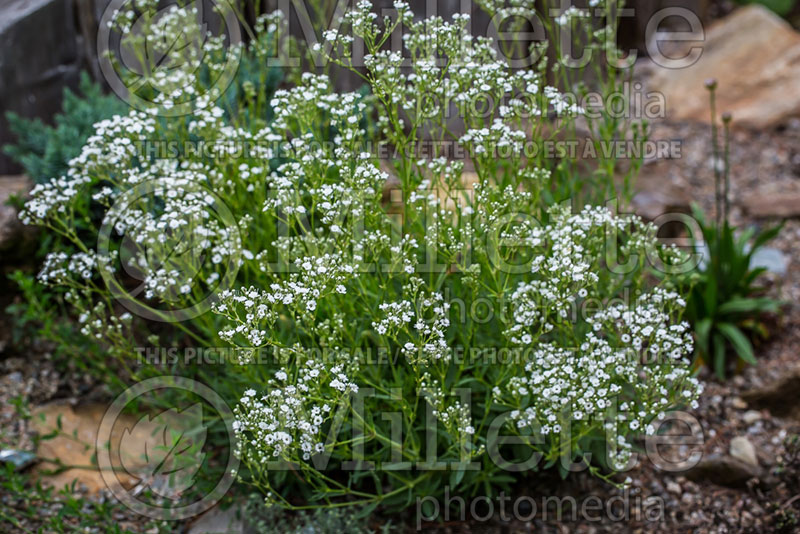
674	487
751	416
15	377
738	403
742	449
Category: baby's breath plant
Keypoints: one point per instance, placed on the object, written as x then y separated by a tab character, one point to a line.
583	59
396	331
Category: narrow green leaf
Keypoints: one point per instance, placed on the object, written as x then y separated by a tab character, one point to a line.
710	295
719	356
702	330
456	476
739	341
764	237
749	305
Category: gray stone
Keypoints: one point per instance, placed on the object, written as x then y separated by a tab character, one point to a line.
723	470
657	199
20	459
742	449
674	487
772	259
14	378
219	521
751	416
633	30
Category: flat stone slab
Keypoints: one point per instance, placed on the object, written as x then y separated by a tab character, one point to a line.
775	205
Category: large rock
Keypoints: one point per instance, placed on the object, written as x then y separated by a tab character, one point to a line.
70	437
755	57
73	444
12	232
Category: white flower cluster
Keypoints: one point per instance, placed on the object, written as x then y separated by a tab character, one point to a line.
59	268
448	65
253	310
561	105
187	213
50	198
109	152
175	46
498	138
567	254
570	14
504	9
428	339
167	210
645	327
286	419
453	414
564	384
